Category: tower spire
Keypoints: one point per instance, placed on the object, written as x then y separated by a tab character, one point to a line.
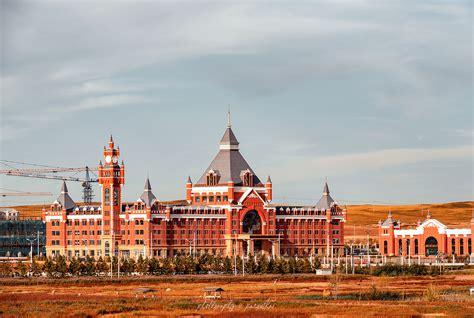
229	124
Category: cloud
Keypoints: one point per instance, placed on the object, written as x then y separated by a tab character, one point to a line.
346	164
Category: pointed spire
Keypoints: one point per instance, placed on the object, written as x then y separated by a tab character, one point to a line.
64	187
326	188
189	180
229	141
269	180
64	199
111	142
390	214
100	163
147	184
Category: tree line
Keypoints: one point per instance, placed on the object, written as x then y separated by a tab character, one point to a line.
182	264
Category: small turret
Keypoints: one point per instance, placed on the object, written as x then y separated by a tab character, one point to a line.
269	187
189	189
147	196
111	142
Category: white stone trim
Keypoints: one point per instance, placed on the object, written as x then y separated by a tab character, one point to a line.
84	216
53	217
305	217
199	216
457	232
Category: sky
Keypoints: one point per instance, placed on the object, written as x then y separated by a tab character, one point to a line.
375	96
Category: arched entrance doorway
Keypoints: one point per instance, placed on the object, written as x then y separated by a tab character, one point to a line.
431	246
252	224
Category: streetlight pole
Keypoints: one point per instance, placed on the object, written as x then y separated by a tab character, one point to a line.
31	249
368	248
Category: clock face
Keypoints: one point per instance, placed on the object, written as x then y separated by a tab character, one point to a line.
108	159
114	159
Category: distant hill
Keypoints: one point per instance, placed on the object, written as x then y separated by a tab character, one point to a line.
454	214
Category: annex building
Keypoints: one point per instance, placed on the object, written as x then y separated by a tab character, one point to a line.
429	238
229	210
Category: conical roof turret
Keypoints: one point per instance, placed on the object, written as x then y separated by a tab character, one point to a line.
326	200
65	200
147	196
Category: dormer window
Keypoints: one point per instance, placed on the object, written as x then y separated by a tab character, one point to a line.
247	178
212	178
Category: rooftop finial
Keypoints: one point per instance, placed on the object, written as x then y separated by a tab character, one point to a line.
229	124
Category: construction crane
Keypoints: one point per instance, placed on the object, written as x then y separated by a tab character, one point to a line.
50	172
24	194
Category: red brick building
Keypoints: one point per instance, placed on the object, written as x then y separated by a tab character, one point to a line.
430	238
228	210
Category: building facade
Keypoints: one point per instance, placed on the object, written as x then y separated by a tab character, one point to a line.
228	211
430	238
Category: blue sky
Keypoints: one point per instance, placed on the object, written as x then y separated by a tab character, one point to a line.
374	95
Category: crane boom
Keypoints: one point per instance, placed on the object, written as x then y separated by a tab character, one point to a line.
24	194
47	172
19	173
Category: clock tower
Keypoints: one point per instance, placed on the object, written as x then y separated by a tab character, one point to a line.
111	179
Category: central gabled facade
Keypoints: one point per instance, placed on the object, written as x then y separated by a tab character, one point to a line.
228	211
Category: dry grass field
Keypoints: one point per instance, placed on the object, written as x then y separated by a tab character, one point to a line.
257	296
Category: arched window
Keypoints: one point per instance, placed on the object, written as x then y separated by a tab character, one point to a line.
416	246
247	178
107	196
212	178
385	247
408	247
431	246
116	197
469	246
400	247
453	246
252	223
107	249
461	246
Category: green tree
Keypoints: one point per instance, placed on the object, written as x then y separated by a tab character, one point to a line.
292	265
61	266
74	266
262	264
88	267
142	265
22	269
49	267
102	266
5	269
114	264
285	266
250	265
166	266
35	268
227	265
154	266
305	265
